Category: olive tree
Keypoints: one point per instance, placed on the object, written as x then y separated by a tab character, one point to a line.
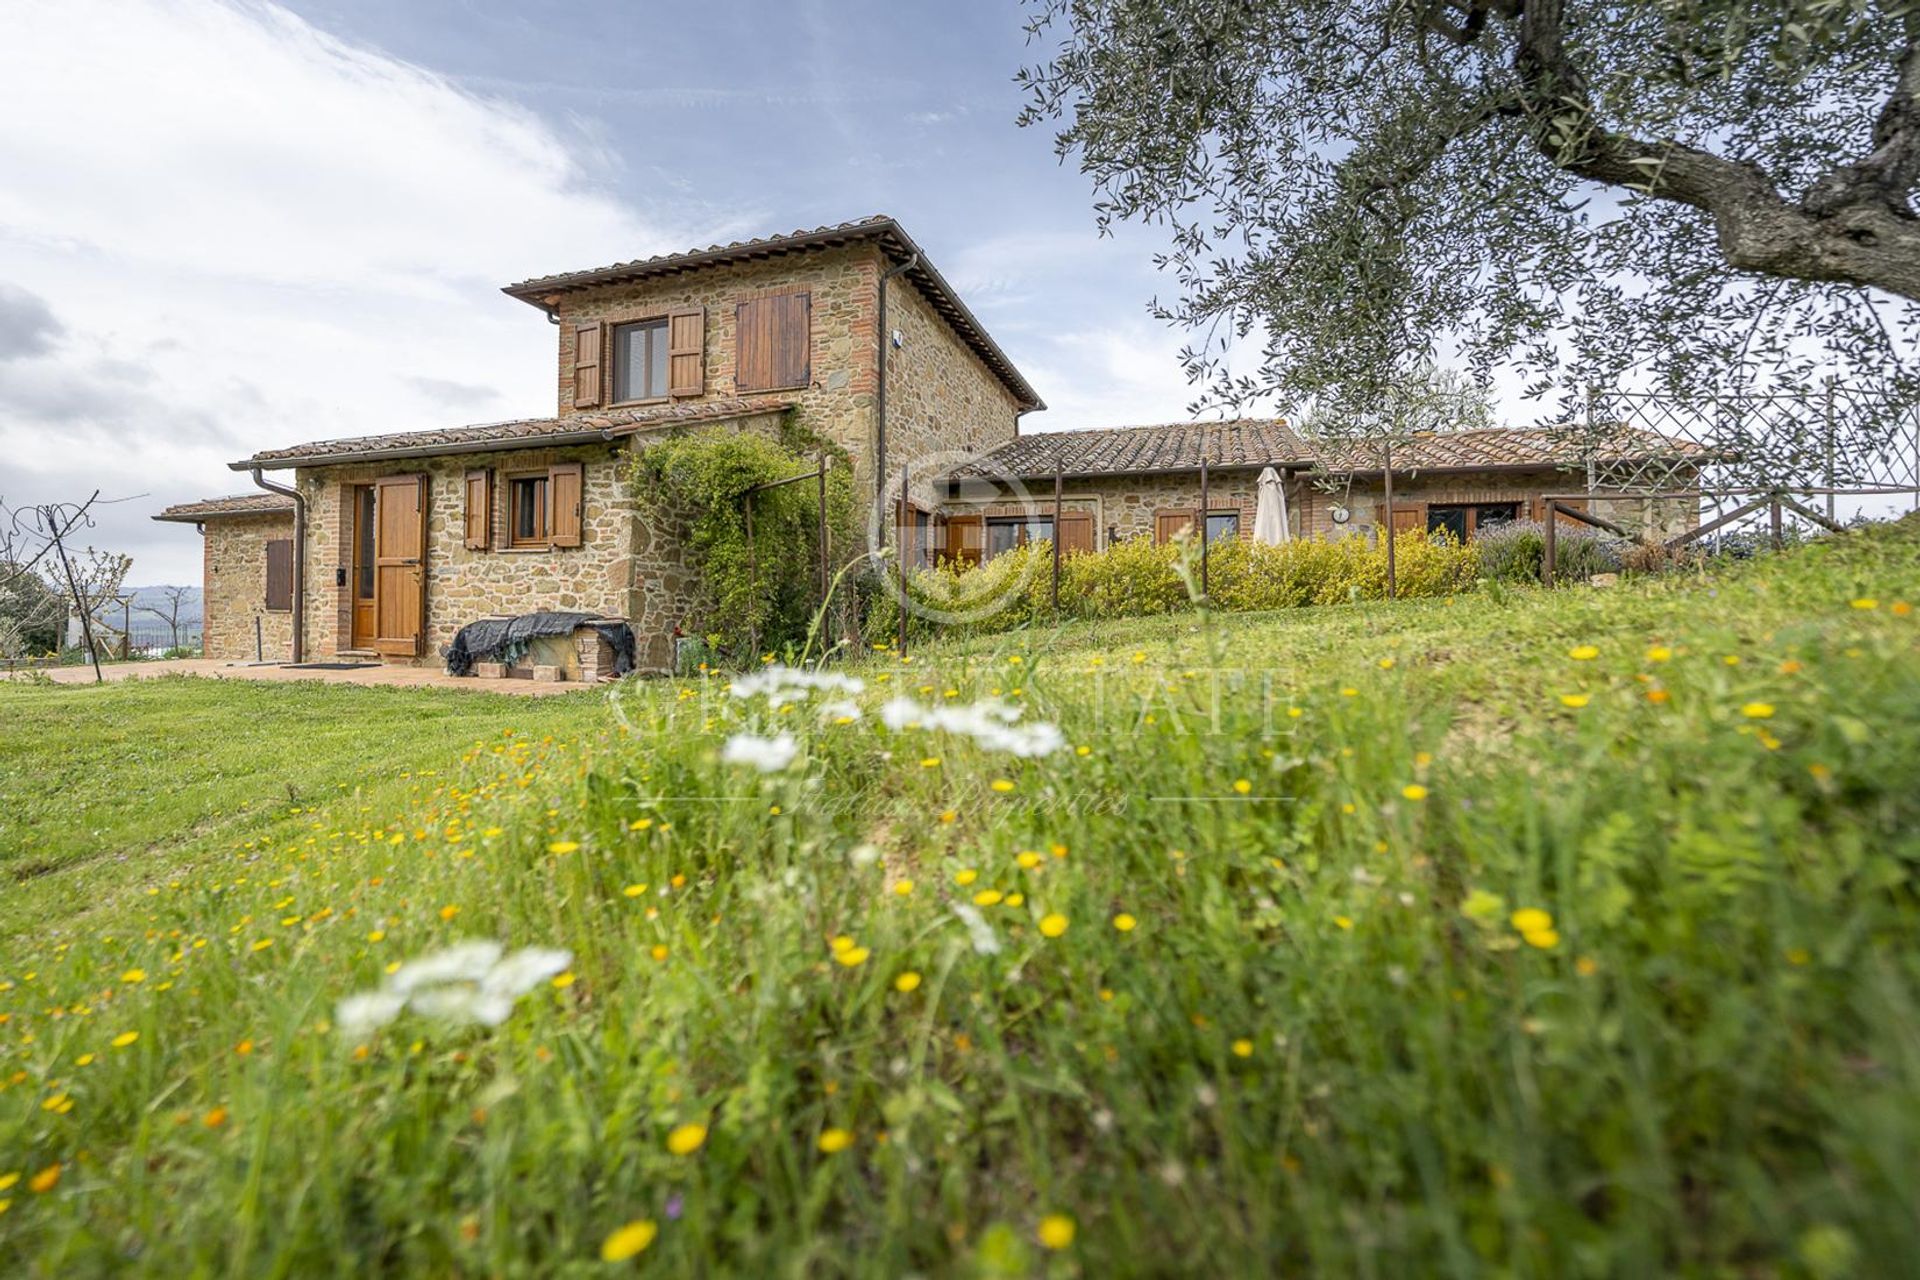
1700	195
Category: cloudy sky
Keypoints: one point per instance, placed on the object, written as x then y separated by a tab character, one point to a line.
227	225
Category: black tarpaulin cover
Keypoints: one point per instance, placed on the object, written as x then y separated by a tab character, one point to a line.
506	639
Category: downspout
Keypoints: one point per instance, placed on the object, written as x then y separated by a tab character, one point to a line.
880	390
299	559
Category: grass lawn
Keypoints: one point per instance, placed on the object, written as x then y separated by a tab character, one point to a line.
1523	933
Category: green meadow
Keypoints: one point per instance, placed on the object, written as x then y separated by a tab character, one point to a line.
1512	933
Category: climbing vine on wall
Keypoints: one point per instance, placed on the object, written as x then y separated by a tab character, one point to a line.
766	592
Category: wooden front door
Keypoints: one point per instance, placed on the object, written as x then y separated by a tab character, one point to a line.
360	568
399	565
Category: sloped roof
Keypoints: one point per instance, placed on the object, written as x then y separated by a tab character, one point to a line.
1119	451
1259	442
1508	448
879	229
522	433
239	504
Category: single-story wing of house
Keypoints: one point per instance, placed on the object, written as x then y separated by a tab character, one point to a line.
385	546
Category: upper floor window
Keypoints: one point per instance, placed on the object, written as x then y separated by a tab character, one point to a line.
640	361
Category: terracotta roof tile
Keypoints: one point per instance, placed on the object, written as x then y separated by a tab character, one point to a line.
1257	442
882	230
239	504
523	433
1173	446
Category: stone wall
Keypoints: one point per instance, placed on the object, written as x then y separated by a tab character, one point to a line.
838	405
942	400
462	584
234	583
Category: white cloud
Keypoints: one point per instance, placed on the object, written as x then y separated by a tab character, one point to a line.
247	233
1126	373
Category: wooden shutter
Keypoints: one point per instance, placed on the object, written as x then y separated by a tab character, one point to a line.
479	509
1409	515
1168	524
280	574
588	340
686	344
966	539
566	490
1076	532
773	342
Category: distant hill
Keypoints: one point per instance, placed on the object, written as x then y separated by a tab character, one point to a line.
156	596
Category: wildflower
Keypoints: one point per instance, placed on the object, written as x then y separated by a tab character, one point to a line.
687	1139
980	933
908	981
1414	791
1243	1048
1053	924
1899	608
449	911
1584	652
1345	922
987	897
634	890
564	846
834	1141
1575	700
1124	922
1757	711
7	1180
991	724
1003	785
1659	653
1242	785
1658	696
779	683
628	1241
1481	905
125	1038
1586	966
1865	602
467	982
768	755
45	1180
852	957
1544	939
134	976
1386	664
1530	920
1056	1231
377	935
903	888
262	944
561	981
660	951
1028	859
214	1118
965	876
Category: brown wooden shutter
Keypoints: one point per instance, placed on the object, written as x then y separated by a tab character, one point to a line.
479	509
1168	524
1076	532
588	340
773	347
280	574
1409	515
566	490
686	344
966	539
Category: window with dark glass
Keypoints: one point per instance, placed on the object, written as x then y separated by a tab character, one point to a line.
1006	533
640	361
363	542
1222	524
528	510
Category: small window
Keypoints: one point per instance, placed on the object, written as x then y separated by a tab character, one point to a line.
640	361
528	511
1222	524
1006	533
922	540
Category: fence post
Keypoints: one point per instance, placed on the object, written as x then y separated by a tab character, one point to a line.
1548	557
901	638
823	530
1832	483
1773	521
1206	503
1056	539
1386	474
753	583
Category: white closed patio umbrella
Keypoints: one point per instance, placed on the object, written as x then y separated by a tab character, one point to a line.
1270	514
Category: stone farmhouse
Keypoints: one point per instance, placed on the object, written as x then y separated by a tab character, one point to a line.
385	546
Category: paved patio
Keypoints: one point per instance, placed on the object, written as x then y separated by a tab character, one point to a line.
369	674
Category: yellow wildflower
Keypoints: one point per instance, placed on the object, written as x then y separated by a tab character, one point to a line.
1414	791
125	1038
834	1141
1053	924
908	981
1530	920
1056	1231
1124	922
687	1139
628	1241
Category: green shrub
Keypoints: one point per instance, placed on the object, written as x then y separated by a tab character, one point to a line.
1514	552
767	591
1140	578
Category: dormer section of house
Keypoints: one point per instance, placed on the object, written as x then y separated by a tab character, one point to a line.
801	317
